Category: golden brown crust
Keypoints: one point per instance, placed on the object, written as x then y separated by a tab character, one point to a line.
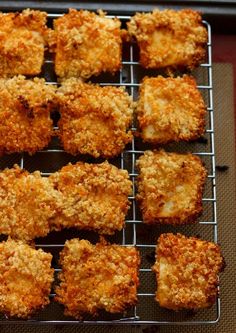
25	106
95	197
22	41
86	44
170	109
86	196
94	120
96	277
27	203
169	38
186	271
25	278
170	187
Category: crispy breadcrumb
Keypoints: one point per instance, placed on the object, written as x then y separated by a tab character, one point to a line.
95	197
96	277
94	120
22	42
170	187
86	196
27	203
170	109
169	38
25	278
186	271
25	106
86	44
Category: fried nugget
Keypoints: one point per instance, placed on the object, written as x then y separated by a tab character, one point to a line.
170	187
22	42
27	203
186	271
86	44
170	109
25	278
96	277
94	197
94	120
86	196
169	38
25	106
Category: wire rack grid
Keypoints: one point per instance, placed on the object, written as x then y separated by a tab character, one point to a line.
147	311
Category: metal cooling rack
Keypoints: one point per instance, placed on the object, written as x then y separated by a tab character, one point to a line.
147	312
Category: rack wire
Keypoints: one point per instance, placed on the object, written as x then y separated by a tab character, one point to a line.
135	233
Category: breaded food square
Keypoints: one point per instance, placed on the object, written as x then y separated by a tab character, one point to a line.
25	106
23	37
27	203
169	38
186	271
86	196
170	187
170	109
97	277
94	197
94	120
86	44
25	279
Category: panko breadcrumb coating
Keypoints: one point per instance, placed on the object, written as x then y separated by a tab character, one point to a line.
169	38
27	203
170	187
22	42
86	44
186	270
170	109
94	120
25	106
25	279
95	197
86	196
96	277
